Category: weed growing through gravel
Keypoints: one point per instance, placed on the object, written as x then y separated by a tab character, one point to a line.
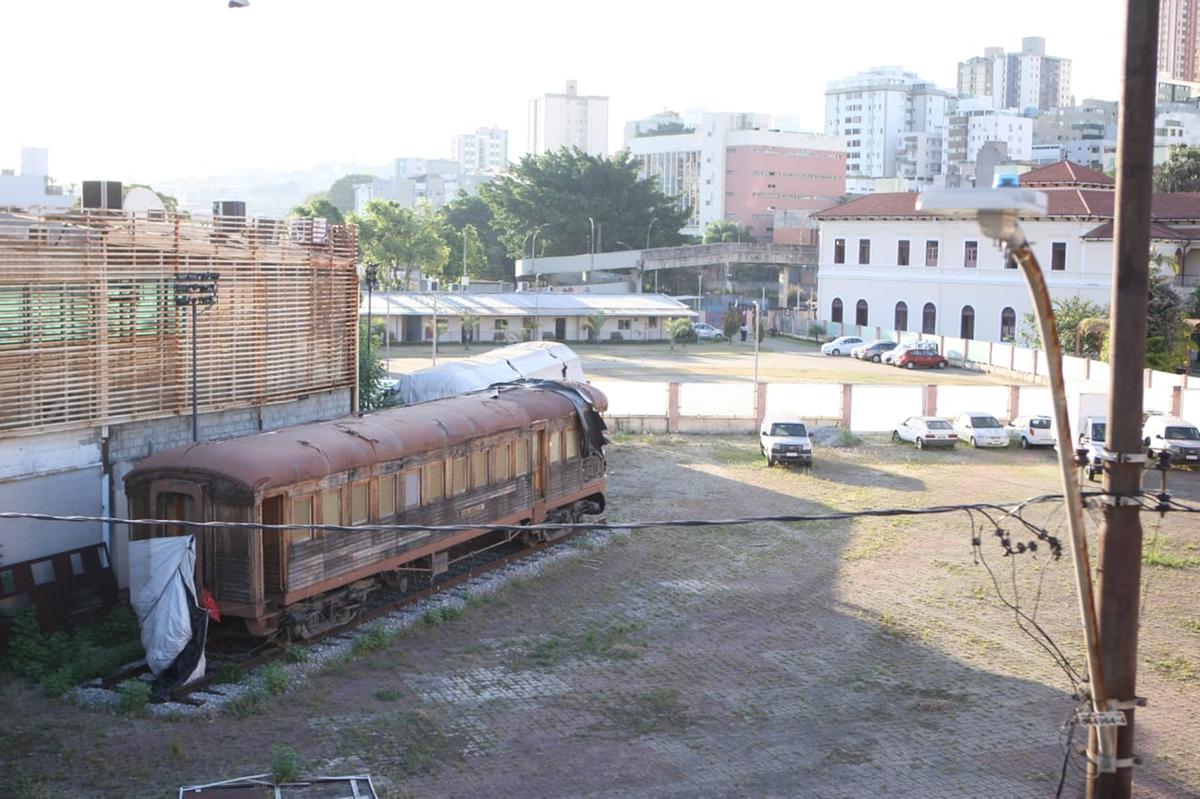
286	763
133	695
249	704
294	653
1155	556
435	616
389	695
229	673
274	678
414	743
1174	667
613	641
655	710
372	640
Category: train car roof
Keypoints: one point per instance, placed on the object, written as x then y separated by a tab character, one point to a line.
311	451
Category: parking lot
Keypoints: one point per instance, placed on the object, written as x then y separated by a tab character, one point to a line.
870	657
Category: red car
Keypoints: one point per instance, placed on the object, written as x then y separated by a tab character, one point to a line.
914	358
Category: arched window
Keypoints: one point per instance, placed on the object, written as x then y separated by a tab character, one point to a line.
835	311
860	313
966	327
1008	325
929	319
901	321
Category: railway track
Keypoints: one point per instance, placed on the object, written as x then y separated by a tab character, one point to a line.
249	654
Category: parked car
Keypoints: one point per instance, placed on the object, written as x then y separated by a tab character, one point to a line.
1177	437
785	440
890	356
873	351
926	431
706	332
981	430
1091	438
1032	431
923	358
840	345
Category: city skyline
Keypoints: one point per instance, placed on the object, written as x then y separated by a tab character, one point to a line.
253	87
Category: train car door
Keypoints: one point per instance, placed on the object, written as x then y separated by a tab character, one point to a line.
181	501
539	462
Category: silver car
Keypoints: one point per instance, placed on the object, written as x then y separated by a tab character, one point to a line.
926	431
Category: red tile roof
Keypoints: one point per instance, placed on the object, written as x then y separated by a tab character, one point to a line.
1065	173
1158	232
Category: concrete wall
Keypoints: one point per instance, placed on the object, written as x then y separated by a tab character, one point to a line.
64	473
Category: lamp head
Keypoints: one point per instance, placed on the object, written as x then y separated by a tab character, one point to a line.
996	209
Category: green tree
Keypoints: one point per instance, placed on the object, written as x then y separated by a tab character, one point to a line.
470	210
320	207
557	192
371	372
732	323
401	239
727	230
678	330
594	325
1069	313
170	204
1168	336
1180	172
1193	309
341	193
475	262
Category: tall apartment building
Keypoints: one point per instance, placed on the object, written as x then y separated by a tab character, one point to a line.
1028	80
568	120
1178	42
872	110
482	152
738	166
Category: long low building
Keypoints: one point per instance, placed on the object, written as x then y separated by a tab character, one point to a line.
521	316
886	264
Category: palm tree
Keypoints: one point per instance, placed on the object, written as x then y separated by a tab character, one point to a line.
594	324
677	329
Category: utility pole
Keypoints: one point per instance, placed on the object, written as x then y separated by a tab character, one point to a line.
193	289
1120	564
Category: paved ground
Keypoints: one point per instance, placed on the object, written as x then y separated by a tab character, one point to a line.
848	659
780	360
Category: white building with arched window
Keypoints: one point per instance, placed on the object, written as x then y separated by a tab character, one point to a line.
885	264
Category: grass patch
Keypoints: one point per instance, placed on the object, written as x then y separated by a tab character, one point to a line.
230	673
1156	556
656	710
614	641
286	763
436	616
372	640
412	742
892	627
274	678
389	695
728	454
294	653
1192	625
249	704
133	695
60	660
1174	667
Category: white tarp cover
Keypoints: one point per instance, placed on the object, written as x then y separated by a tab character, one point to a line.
530	359
161	592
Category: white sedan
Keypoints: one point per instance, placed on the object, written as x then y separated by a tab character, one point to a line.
841	345
926	431
981	430
1032	431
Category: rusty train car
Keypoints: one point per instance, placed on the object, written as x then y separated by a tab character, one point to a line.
523	453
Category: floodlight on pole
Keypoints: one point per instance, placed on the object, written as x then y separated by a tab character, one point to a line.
998	212
193	289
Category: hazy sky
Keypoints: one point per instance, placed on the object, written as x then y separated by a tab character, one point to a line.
144	90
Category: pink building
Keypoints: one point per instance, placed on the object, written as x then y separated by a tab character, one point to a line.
768	172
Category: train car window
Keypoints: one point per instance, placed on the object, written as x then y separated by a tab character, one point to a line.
458	476
570	443
302	513
331	507
358	503
522	467
412	489
435	481
479	468
500	463
387	496
555	447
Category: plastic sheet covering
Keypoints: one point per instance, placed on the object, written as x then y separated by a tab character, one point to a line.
162	594
546	360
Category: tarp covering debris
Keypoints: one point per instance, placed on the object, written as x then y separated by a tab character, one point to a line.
162	592
547	360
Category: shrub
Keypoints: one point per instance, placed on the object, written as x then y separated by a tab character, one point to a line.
294	653
372	640
134	696
274	678
252	702
286	763
60	660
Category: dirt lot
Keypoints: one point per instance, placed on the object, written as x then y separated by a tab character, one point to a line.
780	360
835	659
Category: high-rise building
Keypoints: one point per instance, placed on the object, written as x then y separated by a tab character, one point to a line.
872	110
1178	42
568	120
738	166
1028	80
482	152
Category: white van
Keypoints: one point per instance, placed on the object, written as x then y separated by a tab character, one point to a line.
1178	438
785	440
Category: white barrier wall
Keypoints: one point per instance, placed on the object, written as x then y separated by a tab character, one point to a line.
953	400
806	400
716	399
880	408
631	398
1075	368
1190	409
1034	401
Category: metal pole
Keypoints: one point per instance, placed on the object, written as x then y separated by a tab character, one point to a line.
648	229
435	333
195	400
1120	563
755	357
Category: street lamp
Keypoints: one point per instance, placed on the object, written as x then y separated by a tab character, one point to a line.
648	229
193	289
997	212
591	249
